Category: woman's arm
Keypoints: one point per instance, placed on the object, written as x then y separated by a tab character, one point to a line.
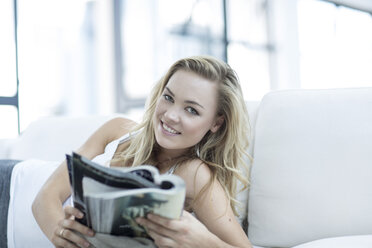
216	225
213	208
47	206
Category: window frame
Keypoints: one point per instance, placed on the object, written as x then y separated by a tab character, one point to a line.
14	100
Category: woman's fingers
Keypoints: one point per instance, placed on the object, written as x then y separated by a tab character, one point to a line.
69	232
71	211
160	225
172	224
162	236
161	241
70	223
70	237
59	241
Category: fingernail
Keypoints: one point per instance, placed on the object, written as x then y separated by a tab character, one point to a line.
80	215
90	233
86	244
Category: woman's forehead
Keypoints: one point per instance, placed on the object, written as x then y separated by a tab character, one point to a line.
191	86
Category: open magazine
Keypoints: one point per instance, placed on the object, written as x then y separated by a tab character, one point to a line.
111	198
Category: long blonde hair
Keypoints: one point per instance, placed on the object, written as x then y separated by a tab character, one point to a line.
223	151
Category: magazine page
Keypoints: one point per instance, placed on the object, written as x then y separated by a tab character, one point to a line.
111	198
80	167
126	205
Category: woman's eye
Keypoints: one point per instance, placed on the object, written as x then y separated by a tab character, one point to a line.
192	111
168	98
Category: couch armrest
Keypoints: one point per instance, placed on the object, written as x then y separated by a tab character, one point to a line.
50	138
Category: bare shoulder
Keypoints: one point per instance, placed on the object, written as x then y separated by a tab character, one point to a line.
109	131
196	175
117	127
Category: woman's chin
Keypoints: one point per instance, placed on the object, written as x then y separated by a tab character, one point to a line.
166	144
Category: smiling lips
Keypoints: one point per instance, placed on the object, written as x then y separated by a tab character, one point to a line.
169	129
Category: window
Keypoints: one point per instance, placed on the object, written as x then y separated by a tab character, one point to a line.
81	57
61	47
335	47
154	34
248	49
8	74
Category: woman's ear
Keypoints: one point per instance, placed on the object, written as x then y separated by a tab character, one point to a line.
217	124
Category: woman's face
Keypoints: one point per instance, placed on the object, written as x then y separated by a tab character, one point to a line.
186	111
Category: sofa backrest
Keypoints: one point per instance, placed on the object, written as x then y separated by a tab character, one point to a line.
312	172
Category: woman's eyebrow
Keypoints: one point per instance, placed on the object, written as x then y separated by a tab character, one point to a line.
194	103
170	92
187	101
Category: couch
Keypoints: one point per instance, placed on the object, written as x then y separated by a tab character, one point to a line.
311	177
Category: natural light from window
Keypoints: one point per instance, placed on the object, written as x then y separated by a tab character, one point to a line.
335	46
67	53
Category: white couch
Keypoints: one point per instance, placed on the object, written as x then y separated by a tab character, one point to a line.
311	179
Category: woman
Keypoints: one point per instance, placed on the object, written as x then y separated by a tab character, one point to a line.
195	126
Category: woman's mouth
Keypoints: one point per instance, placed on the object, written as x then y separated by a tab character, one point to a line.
169	129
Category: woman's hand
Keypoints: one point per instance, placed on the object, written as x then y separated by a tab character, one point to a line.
66	233
185	232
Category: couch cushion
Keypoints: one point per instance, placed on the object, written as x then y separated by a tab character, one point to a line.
364	241
312	169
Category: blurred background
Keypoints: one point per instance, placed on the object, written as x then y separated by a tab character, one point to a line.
88	57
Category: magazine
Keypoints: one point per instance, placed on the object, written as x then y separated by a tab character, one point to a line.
112	198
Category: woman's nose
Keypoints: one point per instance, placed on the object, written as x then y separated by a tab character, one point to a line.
172	115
